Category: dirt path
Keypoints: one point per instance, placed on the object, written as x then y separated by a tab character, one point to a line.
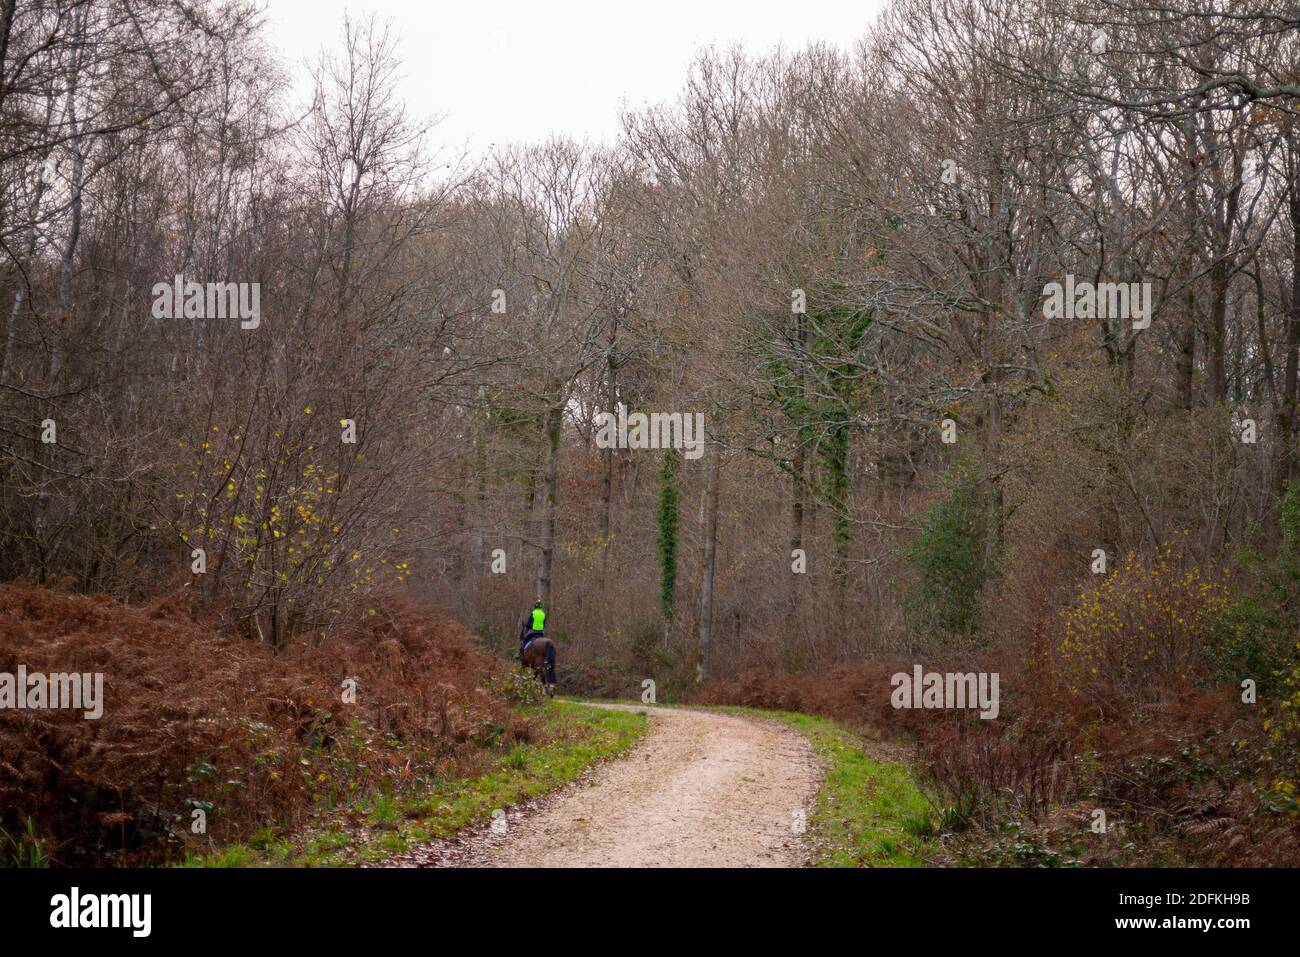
700	789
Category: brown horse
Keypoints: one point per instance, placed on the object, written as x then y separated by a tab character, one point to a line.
540	657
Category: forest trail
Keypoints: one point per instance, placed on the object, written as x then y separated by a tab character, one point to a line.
699	790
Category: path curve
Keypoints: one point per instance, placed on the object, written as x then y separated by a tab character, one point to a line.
700	789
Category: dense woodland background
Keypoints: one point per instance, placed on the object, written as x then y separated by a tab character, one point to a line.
918	193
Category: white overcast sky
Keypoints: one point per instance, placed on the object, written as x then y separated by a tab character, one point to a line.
512	71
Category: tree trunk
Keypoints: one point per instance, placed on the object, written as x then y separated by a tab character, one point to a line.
796	527
1284	469
74	225
29	247
1186	360
1218	344
667	518
710	561
554	419
607	485
800	471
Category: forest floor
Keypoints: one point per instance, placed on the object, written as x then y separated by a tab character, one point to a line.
699	789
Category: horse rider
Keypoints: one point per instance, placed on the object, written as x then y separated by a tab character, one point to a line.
532	626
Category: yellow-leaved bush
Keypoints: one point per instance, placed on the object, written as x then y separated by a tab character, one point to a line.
1283	729
1139	629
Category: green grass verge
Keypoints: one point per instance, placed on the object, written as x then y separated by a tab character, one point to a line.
869	812
381	825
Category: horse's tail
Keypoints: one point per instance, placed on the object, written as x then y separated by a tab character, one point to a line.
550	664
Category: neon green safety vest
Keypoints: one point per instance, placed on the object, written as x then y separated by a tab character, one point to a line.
539	619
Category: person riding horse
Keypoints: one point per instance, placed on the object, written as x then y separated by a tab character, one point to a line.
533	626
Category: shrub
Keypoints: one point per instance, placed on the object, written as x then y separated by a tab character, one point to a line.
1256	637
1142	628
949	559
194	720
1283	752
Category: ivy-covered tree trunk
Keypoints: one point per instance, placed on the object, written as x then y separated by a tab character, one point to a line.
480	483
799	466
798	510
836	463
818	385
667	538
